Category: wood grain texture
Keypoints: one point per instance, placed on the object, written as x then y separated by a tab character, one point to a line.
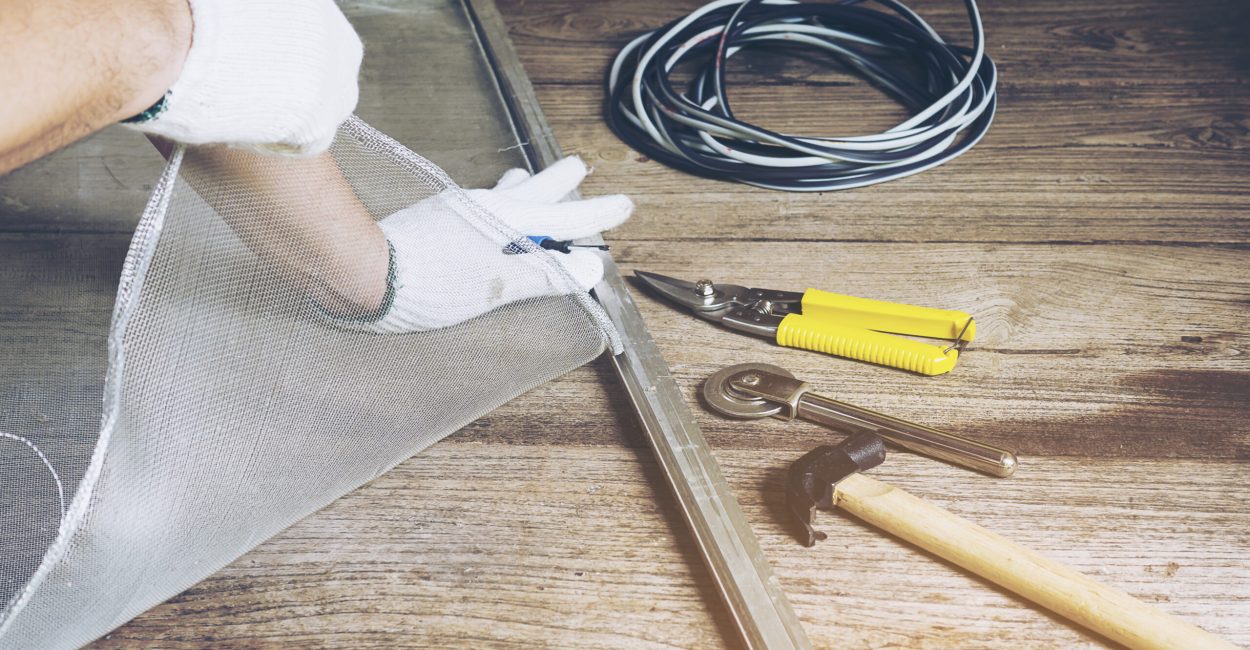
1101	236
487	545
1110	350
1124	42
1100	608
1117	122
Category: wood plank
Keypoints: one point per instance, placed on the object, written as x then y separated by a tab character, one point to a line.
1131	44
1130	177
1099	234
1102	132
503	546
1117	351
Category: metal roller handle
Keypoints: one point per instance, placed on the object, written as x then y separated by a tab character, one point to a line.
909	435
790	398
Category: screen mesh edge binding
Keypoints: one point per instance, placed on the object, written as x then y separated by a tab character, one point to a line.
142	247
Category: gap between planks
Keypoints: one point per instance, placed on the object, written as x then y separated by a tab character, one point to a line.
471	544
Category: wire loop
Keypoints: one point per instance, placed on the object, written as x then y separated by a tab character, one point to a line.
949	88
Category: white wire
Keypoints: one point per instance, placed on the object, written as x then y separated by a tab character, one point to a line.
56	478
964	103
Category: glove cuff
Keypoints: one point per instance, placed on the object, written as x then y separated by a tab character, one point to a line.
369	321
273	75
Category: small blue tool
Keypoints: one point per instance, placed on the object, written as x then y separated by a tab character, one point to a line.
545	242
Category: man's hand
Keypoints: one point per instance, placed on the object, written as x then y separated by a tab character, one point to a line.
450	267
441	261
270	75
275	76
69	68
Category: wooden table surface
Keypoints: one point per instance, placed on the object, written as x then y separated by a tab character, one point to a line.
1101	236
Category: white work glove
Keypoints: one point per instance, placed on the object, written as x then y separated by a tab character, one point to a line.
448	270
275	76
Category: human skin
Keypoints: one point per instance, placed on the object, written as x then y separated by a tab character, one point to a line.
73	67
300	216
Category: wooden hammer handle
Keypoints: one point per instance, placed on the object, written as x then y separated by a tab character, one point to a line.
1071	594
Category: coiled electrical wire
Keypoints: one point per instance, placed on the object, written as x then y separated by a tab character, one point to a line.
950	89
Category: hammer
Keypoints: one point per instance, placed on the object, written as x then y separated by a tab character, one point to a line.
828	476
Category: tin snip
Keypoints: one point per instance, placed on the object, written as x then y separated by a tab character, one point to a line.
844	326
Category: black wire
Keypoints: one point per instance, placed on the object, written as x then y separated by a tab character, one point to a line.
902	56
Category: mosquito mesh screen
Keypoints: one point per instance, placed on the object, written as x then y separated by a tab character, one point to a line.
240	392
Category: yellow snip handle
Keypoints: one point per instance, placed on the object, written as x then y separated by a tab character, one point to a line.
884	316
820	335
838	325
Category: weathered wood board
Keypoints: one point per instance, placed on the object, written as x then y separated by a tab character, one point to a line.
493	545
1100	234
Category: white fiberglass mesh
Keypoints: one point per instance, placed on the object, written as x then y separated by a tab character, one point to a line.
234	403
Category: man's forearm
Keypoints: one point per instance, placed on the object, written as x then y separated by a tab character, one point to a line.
72	67
301	217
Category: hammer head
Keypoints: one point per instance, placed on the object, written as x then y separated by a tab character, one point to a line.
810	481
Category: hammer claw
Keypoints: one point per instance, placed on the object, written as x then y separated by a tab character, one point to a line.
806	534
809	483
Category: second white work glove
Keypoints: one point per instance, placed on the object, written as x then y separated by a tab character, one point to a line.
448	268
275	76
